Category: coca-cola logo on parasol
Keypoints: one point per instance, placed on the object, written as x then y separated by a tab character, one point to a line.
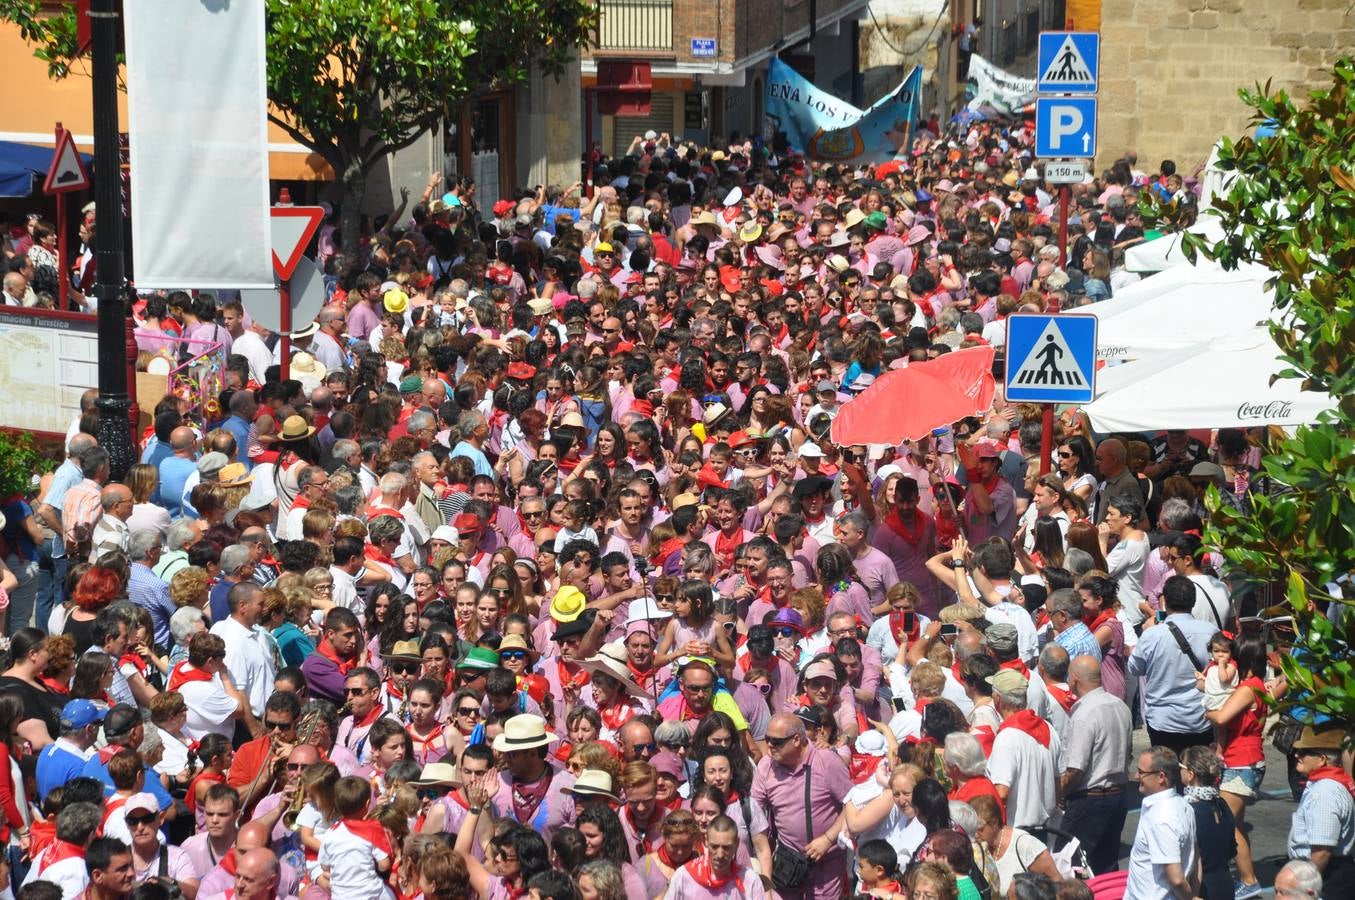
1275	409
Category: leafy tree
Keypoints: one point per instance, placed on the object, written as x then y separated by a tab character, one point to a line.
356	80
1291	207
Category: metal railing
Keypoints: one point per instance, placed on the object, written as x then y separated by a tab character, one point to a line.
629	25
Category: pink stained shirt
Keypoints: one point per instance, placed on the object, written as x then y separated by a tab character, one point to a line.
556	809
747	886
362	319
878	573
853	600
782	791
910	562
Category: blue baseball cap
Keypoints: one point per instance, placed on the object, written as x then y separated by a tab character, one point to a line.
80	714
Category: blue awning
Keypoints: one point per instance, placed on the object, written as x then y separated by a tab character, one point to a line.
19	163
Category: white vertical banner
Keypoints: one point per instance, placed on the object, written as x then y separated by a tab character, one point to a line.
197	108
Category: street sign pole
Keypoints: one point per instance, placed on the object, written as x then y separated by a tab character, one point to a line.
1047	411
285	293
1068	64
63	260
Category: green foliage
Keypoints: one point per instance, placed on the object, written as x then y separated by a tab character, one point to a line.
52	35
20	460
1291	207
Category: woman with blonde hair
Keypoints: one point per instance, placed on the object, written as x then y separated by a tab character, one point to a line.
600	879
189	587
143	480
593	755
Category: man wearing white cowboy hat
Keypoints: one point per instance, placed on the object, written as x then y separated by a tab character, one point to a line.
616	696
593	786
309	371
530	791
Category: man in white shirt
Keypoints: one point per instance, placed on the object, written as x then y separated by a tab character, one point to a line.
1025	761
251	346
348	558
210	696
1047	502
1162	861
63	862
248	658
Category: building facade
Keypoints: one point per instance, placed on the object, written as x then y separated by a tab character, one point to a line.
708	60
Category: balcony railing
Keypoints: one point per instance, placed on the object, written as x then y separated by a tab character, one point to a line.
636	25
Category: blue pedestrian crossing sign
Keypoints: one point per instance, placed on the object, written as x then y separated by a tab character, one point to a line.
1051	359
1065	127
1069	62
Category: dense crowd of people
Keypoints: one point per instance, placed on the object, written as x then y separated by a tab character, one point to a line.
537	572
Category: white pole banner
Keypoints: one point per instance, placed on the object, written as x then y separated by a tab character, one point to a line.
198	132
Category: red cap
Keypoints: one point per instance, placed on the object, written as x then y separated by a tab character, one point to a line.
466	522
738	439
520	371
503	208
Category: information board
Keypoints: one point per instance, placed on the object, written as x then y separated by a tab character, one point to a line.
47	360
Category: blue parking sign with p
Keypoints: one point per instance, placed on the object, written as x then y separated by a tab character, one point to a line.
1065	127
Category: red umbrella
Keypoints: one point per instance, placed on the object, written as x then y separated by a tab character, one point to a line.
908	404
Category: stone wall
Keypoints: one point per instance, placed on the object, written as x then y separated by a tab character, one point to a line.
898	25
1171	69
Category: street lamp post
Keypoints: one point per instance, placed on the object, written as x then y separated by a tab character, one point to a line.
114	406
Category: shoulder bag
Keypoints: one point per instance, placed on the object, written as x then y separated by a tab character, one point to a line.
790	867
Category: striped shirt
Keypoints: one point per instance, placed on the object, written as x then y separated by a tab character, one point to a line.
1325	818
1078	640
81	507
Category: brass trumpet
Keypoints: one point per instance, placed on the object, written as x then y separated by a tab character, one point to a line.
290	816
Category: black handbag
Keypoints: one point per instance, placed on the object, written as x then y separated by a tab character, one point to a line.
1285	733
790	867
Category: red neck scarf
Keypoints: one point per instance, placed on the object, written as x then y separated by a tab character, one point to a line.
60	850
862	766
421	743
911	531
1031	724
56	685
579	678
725	545
896	627
701	872
1333	773
1016	665
616	715
1097	621
370	831
376	555
368	720
1061	694
527	797
642	831
183	673
666	858
328	652
301	502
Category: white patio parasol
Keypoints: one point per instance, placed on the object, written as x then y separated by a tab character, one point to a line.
1224	383
1178	308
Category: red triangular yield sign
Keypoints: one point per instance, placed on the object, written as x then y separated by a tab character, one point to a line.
67	172
292	229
